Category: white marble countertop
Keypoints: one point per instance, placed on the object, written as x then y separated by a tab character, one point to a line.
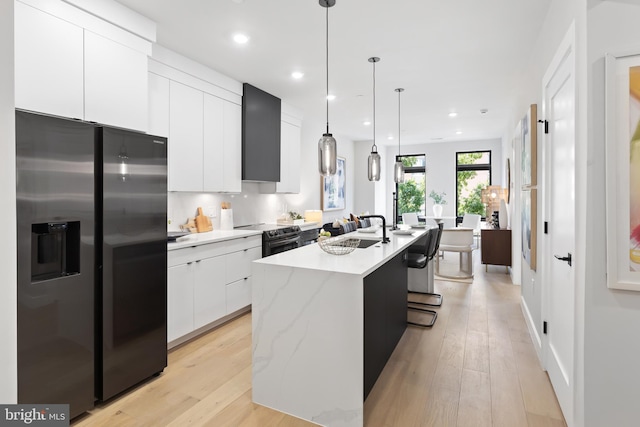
196	239
361	261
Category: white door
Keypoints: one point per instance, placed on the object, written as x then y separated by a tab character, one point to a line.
559	286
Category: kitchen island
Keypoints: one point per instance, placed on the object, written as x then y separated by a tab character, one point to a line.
324	326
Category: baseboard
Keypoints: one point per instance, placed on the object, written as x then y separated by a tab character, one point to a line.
533	331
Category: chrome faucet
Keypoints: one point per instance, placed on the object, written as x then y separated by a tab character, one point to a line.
385	239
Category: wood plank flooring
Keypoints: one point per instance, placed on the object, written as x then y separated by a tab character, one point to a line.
475	367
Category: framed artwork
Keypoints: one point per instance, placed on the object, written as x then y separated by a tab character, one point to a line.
529	158
529	225
623	170
528	136
333	189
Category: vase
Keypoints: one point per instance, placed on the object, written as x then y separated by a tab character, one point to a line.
437	211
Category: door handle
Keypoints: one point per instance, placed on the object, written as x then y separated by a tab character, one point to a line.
564	258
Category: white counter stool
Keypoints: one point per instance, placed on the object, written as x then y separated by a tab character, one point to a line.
458	240
420	279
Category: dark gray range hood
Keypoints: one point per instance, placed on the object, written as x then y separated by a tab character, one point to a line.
260	135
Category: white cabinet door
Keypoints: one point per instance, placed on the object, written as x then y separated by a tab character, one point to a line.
238	294
158	105
239	263
185	138
48	63
115	83
209	293
180	281
232	147
289	159
213	144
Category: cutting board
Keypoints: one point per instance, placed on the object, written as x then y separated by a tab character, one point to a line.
203	223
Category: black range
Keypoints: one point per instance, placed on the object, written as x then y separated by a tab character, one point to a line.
276	238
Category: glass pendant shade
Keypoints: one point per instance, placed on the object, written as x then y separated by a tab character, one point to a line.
398	172
374	165
327	155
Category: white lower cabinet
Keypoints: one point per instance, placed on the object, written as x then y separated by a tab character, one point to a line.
208	282
209	294
180	280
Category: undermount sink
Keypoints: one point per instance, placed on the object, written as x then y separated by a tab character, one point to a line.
365	243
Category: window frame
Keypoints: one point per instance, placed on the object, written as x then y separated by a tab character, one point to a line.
412	169
472	167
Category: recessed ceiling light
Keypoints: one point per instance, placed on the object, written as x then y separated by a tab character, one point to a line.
453	114
459	132
331	97
366	123
297	75
484	111
240	38
390	137
437	139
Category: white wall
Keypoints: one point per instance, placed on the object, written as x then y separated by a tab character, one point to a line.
612	347
441	169
252	207
8	315
558	21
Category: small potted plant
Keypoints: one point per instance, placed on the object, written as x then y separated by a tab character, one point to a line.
438	201
296	218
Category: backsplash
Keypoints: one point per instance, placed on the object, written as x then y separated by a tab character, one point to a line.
249	207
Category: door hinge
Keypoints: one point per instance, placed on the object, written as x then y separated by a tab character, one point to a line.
546	125
544	327
546	227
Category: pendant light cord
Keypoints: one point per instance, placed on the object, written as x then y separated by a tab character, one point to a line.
327	62
399	91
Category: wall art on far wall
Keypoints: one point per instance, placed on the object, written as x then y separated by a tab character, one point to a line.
623	170
332	189
529	127
529	225
527	135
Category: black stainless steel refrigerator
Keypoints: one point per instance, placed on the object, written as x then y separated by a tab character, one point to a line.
92	262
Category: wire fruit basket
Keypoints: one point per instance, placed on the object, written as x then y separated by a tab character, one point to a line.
339	245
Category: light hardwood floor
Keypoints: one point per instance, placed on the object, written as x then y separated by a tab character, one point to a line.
475	367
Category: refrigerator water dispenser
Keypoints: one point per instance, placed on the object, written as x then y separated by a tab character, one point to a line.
55	250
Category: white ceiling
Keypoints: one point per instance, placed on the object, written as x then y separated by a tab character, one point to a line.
449	55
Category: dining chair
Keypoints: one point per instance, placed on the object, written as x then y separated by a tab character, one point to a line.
472	221
410	218
457	240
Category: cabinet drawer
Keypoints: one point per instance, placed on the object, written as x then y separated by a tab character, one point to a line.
238	264
195	253
238	294
244	243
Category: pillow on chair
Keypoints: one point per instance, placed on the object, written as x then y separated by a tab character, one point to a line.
348	227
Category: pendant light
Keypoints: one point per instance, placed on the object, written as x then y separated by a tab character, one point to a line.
327	147
374	157
398	168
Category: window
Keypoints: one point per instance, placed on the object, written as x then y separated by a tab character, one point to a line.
473	173
412	192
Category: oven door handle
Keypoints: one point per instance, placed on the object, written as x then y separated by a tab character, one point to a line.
278	243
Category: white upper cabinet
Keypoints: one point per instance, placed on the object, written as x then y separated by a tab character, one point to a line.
289	159
158	105
115	83
48	63
213	144
185	138
222	147
232	168
72	63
